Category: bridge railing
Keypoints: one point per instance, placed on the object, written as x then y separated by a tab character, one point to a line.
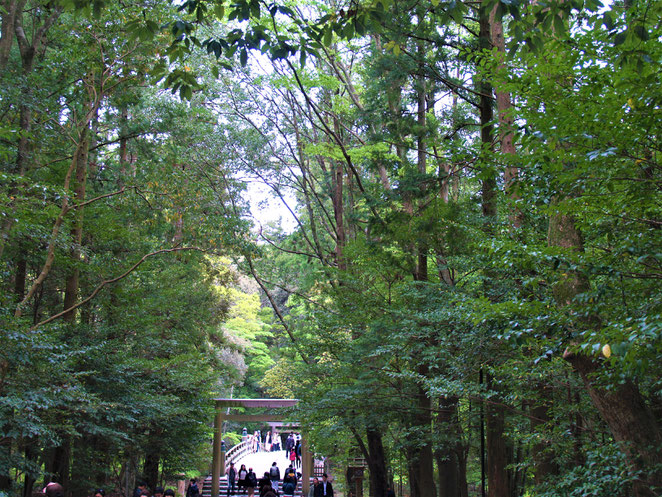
319	468
238	451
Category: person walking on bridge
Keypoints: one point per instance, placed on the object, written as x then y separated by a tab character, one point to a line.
289	444
297	453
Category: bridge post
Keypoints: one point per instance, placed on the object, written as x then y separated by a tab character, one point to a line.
306	466
218	459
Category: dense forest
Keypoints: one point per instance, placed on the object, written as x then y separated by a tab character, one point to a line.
464	288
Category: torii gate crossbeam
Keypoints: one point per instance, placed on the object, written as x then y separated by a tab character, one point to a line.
218	462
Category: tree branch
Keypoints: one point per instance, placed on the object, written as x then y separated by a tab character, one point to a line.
276	309
113	280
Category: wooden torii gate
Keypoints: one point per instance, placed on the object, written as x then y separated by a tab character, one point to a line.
218	461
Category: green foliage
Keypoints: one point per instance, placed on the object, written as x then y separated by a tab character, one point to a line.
605	472
395	291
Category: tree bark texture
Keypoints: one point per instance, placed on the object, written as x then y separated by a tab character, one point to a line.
451	460
124	148
543	461
376	463
58	464
630	421
489	186
9	10
151	467
71	284
20	275
421	161
497	447
30	456
498	451
421	456
504	107
66	205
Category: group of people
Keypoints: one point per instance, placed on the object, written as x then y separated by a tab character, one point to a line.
269	484
293	449
321	488
244	479
272	442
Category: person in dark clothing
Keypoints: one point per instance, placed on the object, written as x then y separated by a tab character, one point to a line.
289	481
274	474
193	490
289	444
264	481
312	492
232	476
389	492
326	489
251	482
169	493
266	490
297	454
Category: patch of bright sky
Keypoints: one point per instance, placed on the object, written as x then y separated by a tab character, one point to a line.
267	209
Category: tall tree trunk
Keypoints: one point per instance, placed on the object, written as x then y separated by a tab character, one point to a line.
376	463
58	464
12	25
338	203
338	210
497	447
151	467
621	405
498	453
451	461
65	207
30	456
421	456
630	421
421	162
506	121
489	189
9	10
543	460
20	275
123	149
71	284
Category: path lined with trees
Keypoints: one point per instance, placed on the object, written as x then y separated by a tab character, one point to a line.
470	293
